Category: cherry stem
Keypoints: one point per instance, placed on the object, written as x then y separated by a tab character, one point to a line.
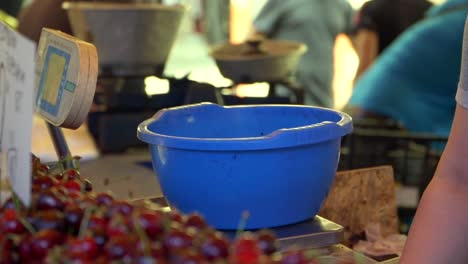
59	194
41	173
242	223
82	186
27	225
17	205
141	234
16	202
76	162
85	221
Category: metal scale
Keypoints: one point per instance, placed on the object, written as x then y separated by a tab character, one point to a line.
65	81
132	50
263	60
124	64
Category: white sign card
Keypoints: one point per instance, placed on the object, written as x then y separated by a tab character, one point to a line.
17	78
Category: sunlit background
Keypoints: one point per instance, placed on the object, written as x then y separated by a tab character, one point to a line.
190	56
242	13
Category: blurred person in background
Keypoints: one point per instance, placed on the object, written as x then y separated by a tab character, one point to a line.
315	23
379	22
440	229
46	13
11	7
414	81
43	13
9	10
216	20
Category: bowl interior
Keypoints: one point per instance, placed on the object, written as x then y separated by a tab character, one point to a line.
237	122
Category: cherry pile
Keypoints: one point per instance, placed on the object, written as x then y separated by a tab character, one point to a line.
69	223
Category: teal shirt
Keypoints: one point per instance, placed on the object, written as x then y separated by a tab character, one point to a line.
315	23
415	80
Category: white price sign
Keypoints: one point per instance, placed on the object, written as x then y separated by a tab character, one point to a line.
17	66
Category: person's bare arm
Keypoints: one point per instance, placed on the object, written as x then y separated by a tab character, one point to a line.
439	233
366	44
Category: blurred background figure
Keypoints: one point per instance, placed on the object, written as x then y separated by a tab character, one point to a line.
414	81
317	24
379	22
11	7
43	13
47	13
216	21
9	10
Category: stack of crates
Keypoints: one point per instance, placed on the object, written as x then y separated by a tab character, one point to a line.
414	156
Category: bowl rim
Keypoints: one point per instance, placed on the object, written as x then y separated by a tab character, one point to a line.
280	138
213	51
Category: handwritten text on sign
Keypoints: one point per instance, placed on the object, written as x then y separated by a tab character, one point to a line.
17	63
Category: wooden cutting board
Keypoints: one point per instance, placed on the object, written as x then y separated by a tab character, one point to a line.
362	197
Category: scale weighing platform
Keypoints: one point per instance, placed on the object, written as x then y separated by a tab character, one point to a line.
314	233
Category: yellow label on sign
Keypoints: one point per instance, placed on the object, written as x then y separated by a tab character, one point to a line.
53	78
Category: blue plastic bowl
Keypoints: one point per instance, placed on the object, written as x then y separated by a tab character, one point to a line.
275	161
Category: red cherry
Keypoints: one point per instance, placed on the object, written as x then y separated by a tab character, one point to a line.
43	241
157	250
58	177
82	248
118	227
6	250
122	207
267	242
176	240
99	236
195	220
88	187
10	223
120	247
82	261
190	257
10	204
246	250
43	182
152	223
49	200
72	174
73	215
48	219
215	248
72	186
75	196
102	259
142	259
176	216
294	257
104	199
25	249
86	202
97	222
